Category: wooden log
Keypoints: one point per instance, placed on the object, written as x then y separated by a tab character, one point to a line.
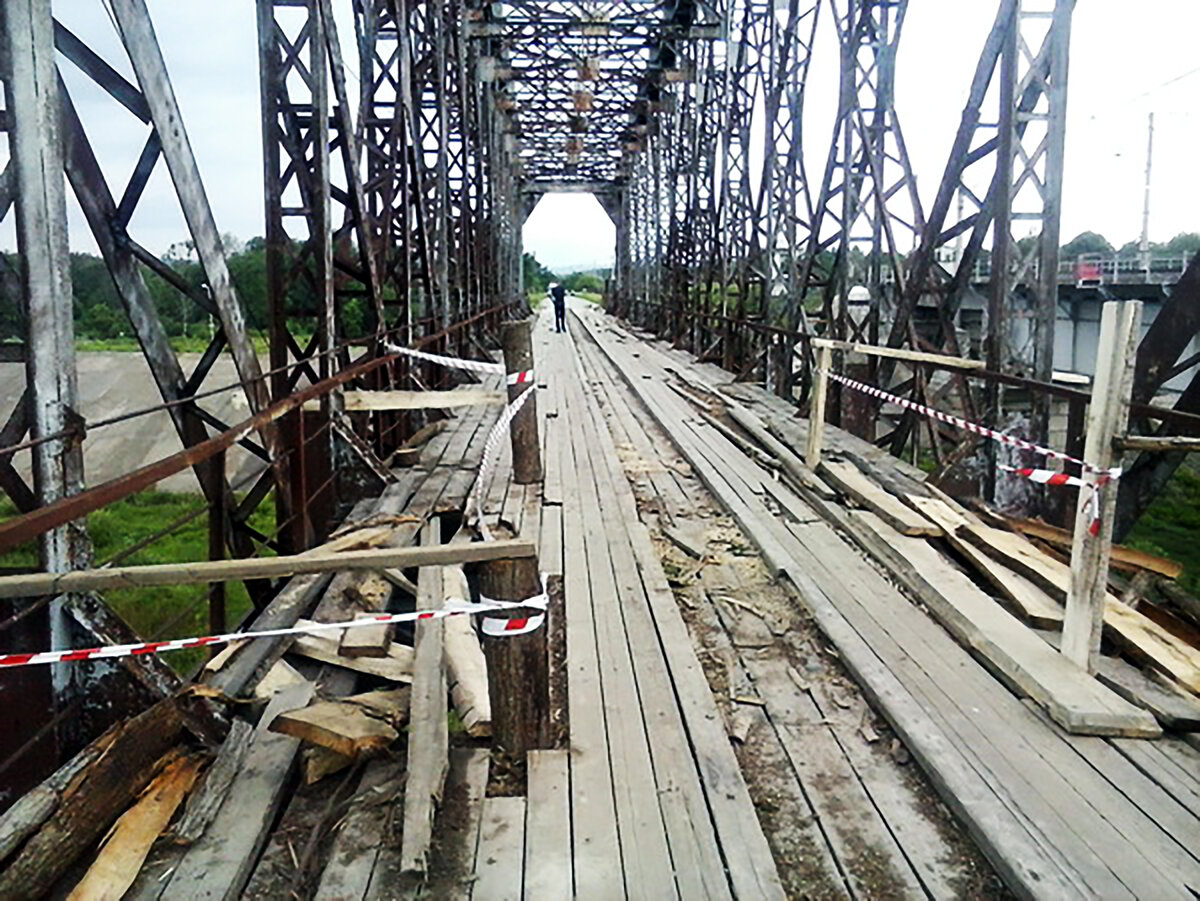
1108	414
382	401
125	849
84	580
849	479
516	342
428	736
1154	443
518	666
466	668
357	726
35	807
96	796
203	804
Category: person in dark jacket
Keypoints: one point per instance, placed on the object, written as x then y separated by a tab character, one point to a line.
558	294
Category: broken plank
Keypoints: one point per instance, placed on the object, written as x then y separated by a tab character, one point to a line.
124	850
347	727
849	479
395	667
1024	662
366	641
498	862
220	863
428	736
1123	558
93	799
204	803
1139	635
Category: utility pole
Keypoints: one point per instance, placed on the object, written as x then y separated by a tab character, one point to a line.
1144	243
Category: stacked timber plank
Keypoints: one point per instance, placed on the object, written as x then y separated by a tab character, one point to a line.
1059	814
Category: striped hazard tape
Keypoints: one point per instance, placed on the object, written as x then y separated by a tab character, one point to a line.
972	427
451	362
1051	477
494	626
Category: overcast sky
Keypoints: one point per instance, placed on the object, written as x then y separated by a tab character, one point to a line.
1127	60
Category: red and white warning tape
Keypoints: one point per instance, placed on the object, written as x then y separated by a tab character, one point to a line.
517	625
972	427
453	607
1050	477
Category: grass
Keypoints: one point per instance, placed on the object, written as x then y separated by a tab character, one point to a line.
191	344
590	296
1170	527
174	611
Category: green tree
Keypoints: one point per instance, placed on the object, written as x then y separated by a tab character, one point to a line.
1086	242
537	276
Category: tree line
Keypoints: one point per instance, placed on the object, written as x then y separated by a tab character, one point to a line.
99	313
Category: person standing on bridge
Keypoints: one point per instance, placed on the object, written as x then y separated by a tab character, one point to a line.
558	294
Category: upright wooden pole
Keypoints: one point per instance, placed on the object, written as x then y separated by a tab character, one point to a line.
1108	414
816	416
518	665
516	341
216	540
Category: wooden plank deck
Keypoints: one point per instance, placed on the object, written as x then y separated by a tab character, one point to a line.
1058	815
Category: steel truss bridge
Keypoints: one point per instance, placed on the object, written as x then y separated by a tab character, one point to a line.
407	192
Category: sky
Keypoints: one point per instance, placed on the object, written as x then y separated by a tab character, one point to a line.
1126	61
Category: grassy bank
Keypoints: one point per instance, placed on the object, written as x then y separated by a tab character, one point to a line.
174	611
1171	525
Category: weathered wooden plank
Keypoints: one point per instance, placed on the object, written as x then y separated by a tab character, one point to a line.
1123	558
203	804
220	862
1138	634
498	863
347	875
850	480
428	736
258	568
751	868
548	826
378	401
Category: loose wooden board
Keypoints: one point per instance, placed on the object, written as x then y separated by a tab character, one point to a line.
220	863
1137	634
1029	601
1019	657
373	401
548	834
498	863
851	480
1123	558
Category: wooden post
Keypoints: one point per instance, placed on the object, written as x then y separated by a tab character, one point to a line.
516	341
216	540
816	416
1108	414
518	666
